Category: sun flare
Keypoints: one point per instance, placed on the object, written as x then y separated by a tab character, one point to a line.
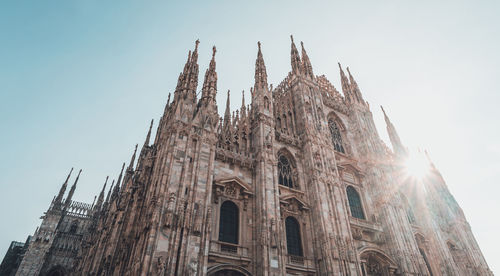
416	165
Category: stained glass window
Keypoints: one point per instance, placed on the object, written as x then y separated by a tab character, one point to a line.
293	240
228	223
336	137
285	176
355	203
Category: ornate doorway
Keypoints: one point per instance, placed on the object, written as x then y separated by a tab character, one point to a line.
227	272
375	263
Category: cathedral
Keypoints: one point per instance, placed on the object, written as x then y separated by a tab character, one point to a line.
298	182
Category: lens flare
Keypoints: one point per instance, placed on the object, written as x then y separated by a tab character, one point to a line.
416	165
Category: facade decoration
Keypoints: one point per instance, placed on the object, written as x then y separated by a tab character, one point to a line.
298	182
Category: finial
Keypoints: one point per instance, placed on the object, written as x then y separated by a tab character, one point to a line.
340	66
348	71
291	37
258	44
196	46
302	44
213	51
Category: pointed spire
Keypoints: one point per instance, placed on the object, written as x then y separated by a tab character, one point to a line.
295	58
227	113
109	192
72	190
346	88
116	190
397	146
100	200
120	176
243	107
148	136
355	88
306	63
209	90
260	71
188	79
132	160
58	199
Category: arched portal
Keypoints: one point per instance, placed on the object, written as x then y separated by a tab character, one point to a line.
376	263
227	270
57	271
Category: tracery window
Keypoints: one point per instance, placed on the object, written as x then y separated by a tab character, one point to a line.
285	172
228	223
336	137
355	203
293	240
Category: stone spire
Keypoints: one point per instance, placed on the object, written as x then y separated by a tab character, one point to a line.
100	199
227	113
59	198
109	193
243	107
260	71
148	136
397	146
72	190
188	79
132	160
295	58
116	190
346	88
355	88
210	82
306	63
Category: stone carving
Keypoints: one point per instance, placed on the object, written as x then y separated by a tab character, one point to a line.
170	210
160	266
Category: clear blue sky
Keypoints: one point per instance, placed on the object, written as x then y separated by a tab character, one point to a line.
80	80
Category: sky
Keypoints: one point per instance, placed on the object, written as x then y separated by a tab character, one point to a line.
80	81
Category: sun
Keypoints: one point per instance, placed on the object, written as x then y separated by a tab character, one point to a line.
416	165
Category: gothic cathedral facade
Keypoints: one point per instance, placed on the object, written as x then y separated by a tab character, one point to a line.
296	183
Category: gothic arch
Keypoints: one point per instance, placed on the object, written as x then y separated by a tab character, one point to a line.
287	169
374	262
293	237
333	116
57	271
227	269
229	222
355	202
337	133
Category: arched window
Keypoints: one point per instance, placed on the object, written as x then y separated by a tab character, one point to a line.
266	103
293	240
285	175
73	227
355	203
228	222
336	137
